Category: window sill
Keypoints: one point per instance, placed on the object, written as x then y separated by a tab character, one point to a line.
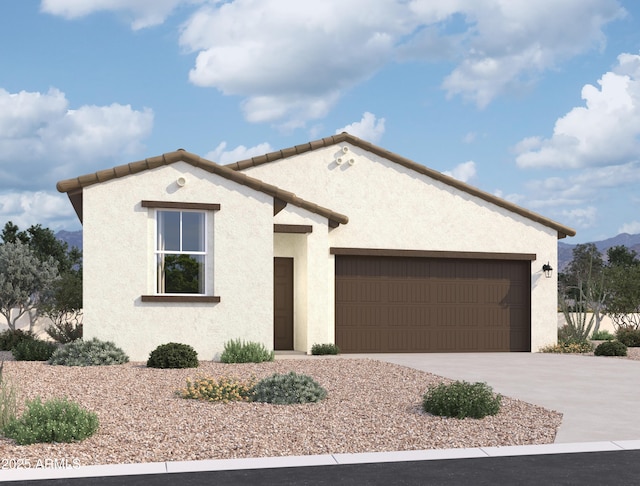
181	298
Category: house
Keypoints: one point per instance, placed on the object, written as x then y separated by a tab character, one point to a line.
370	251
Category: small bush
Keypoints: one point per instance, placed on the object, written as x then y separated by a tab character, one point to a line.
564	347
88	353
319	349
236	351
217	390
9	338
8	400
611	348
57	420
461	399
602	335
33	350
628	336
288	389
64	332
173	355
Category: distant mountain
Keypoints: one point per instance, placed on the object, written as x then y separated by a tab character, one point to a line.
565	251
72	238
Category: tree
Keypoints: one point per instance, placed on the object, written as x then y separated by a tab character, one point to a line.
44	244
25	280
623	281
582	291
63	302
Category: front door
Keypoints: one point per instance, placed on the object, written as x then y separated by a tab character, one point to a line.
283	303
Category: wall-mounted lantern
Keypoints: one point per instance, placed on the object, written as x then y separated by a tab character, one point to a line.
547	269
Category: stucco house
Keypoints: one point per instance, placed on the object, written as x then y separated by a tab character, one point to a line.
332	241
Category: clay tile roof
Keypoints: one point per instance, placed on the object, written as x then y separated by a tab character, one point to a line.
73	187
343	137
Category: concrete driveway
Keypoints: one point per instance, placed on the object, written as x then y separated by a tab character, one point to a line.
599	397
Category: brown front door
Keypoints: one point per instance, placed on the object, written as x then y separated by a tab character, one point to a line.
283	303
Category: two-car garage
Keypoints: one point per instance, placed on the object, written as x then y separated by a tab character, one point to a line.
404	301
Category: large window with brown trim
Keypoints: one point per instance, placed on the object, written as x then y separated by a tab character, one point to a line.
181	252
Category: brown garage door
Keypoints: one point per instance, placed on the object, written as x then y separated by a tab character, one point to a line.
398	304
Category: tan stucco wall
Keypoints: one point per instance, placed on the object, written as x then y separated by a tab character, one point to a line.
119	264
392	207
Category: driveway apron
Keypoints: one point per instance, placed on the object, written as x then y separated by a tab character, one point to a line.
598	396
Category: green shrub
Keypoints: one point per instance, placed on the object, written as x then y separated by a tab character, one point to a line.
8	400
564	347
88	353
64	332
57	420
629	336
319	349
9	338
602	335
236	351
217	390
173	355
461	399
288	389
33	350
611	348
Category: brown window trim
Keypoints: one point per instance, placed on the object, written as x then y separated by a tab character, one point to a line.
475	255
292	228
181	298
180	205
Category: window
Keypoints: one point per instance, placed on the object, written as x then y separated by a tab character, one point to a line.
182	255
181	252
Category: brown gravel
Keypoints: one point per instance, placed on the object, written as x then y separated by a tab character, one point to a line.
371	406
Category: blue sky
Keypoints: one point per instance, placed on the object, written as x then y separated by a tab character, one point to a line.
536	102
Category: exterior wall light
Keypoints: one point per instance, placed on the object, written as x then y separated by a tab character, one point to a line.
547	269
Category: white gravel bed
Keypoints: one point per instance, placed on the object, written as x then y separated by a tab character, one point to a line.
371	406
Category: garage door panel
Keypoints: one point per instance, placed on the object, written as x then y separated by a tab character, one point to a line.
394	304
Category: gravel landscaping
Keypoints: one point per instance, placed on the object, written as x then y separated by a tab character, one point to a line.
371	406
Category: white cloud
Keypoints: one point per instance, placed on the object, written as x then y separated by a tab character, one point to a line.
37	207
222	156
584	186
509	42
470	137
632	228
604	132
368	128
42	140
290	61
141	13
582	218
464	172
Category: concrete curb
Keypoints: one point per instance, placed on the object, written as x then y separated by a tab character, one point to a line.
305	461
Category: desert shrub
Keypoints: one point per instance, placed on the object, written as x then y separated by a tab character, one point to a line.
88	353
602	335
628	336
33	350
8	400
318	349
563	347
11	337
57	420
236	351
287	389
611	348
222	389
461	399
65	332
173	355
